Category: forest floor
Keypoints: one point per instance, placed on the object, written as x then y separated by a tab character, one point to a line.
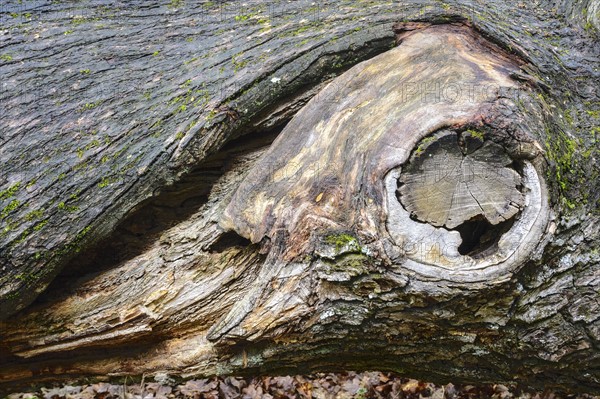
322	386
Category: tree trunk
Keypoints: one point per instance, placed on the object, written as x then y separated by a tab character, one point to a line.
199	189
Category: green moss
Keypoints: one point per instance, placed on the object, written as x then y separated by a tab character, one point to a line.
10	192
31	183
568	117
347	265
85	71
355	264
563	156
189	99
211	115
92	144
67	208
189	127
14	204
476	134
593	147
120	152
6	57
34	215
9	226
80	19
342	240
88	106
23	236
27	277
82	166
568	203
588	26
298	31
83	233
107	180
242	18
40	225
176	3
562	151
423	145
593	114
237	64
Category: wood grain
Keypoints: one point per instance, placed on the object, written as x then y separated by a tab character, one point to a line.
446	185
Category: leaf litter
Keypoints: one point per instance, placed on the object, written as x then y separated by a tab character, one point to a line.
348	385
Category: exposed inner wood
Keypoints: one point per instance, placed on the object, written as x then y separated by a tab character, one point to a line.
451	179
326	170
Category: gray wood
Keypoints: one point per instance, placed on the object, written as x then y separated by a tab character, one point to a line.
447	186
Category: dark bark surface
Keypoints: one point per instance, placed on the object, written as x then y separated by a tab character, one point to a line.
126	127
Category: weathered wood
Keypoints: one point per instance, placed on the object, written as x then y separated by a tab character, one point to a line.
300	255
446	185
112	119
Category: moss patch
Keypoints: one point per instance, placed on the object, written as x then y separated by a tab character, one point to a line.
343	240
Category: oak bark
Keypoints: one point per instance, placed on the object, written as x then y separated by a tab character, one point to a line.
150	223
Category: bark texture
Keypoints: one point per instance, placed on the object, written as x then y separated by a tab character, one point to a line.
140	177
